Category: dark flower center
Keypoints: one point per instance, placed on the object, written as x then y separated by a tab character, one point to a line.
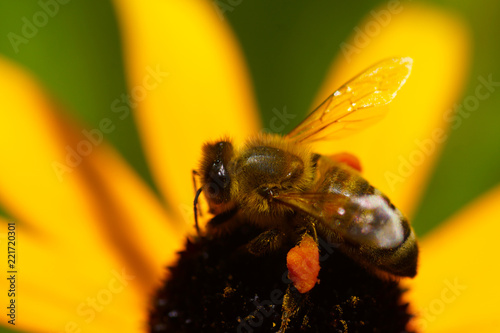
217	286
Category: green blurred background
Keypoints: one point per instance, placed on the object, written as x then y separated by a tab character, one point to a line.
288	47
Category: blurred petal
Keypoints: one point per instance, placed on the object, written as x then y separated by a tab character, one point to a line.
399	152
200	91
84	214
457	283
136	220
60	290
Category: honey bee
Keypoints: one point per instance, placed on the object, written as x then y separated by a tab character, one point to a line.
280	185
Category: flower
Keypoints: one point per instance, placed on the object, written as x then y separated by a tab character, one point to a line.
93	239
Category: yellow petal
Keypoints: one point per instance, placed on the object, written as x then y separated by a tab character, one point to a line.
457	284
32	186
136	222
398	153
200	91
83	218
54	292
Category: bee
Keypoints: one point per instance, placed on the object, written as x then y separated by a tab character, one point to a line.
280	185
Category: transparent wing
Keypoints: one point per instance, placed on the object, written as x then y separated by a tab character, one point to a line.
358	104
366	220
323	206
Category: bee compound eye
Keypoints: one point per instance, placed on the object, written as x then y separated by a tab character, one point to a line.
223	180
212	189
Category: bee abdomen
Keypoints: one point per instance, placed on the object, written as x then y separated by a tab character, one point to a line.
341	180
401	261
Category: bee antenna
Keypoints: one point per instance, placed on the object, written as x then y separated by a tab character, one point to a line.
196	210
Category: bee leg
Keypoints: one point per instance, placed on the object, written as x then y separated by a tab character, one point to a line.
267	241
290	307
222	223
313	231
197	191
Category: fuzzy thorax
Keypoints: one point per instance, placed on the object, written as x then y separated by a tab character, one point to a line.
265	166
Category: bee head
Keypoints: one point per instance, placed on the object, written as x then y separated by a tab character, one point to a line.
215	175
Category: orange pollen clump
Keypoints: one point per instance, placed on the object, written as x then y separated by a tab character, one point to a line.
303	264
348	159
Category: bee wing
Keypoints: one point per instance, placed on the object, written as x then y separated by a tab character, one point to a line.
356	105
366	220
